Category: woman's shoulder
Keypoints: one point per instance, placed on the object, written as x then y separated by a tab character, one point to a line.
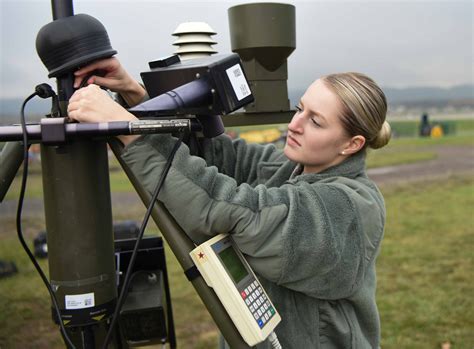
359	185
368	208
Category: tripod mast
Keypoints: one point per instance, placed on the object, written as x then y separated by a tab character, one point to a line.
79	224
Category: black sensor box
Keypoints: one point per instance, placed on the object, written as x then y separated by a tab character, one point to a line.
225	78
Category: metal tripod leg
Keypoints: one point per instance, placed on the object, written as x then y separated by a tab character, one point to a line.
11	158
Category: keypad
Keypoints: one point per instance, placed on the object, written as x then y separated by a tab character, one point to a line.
258	303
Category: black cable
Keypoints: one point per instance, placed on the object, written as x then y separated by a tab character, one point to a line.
126	282
18	220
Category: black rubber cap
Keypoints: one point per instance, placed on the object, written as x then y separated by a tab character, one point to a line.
68	43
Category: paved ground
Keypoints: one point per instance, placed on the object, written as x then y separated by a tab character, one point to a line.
451	160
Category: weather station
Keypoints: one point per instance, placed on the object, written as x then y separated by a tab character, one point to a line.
108	292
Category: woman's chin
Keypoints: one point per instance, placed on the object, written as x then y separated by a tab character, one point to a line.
289	153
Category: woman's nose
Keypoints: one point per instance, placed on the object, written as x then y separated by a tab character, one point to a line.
296	123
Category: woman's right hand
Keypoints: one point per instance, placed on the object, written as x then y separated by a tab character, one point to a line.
92	104
114	77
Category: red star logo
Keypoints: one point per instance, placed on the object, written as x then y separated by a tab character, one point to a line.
201	255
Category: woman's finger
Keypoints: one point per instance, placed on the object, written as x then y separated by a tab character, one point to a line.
79	80
105	64
73	106
74	114
105	82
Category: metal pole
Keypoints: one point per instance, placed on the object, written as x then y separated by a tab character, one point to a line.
11	158
79	225
181	245
62	8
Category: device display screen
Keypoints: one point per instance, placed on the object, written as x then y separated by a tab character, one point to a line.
233	264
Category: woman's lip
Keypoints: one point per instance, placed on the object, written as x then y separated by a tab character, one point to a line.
293	141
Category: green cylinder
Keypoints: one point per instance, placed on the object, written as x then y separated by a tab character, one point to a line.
264	31
264	35
79	230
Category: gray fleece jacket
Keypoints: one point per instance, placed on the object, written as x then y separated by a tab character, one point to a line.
311	238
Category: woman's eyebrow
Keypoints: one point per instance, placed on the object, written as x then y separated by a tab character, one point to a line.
313	111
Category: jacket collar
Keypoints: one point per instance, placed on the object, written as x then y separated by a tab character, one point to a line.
352	167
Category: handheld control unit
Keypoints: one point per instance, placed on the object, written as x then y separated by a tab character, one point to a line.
225	269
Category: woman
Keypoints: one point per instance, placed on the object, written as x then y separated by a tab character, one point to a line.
308	218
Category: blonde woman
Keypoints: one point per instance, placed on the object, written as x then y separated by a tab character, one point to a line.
308	219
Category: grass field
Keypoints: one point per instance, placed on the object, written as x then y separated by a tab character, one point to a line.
425	278
425	269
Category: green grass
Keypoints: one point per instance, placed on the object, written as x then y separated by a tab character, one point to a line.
410	128
466	138
425	278
425	268
413	149
391	156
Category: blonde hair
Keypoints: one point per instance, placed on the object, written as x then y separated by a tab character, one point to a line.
364	107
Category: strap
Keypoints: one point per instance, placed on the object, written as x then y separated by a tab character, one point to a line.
192	273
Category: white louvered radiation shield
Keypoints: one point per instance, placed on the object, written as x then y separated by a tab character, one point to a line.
194	40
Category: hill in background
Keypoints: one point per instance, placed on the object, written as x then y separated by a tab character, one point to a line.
420	96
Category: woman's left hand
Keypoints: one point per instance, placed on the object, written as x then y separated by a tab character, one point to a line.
115	78
92	104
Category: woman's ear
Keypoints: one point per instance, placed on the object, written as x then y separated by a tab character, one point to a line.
355	144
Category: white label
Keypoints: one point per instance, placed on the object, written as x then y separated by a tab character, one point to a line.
238	81
80	301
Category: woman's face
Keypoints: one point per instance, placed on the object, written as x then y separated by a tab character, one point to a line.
316	138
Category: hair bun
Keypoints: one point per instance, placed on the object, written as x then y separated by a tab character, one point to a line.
382	137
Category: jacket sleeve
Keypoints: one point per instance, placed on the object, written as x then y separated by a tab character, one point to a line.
290	235
237	158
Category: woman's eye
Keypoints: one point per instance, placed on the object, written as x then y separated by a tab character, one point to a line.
315	122
298	109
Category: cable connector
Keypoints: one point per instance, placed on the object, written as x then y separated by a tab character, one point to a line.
44	91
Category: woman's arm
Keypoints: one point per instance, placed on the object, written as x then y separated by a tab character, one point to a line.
239	159
290	234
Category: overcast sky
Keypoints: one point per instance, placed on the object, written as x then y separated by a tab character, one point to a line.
398	43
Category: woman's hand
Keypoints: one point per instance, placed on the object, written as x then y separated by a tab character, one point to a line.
92	104
114	77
